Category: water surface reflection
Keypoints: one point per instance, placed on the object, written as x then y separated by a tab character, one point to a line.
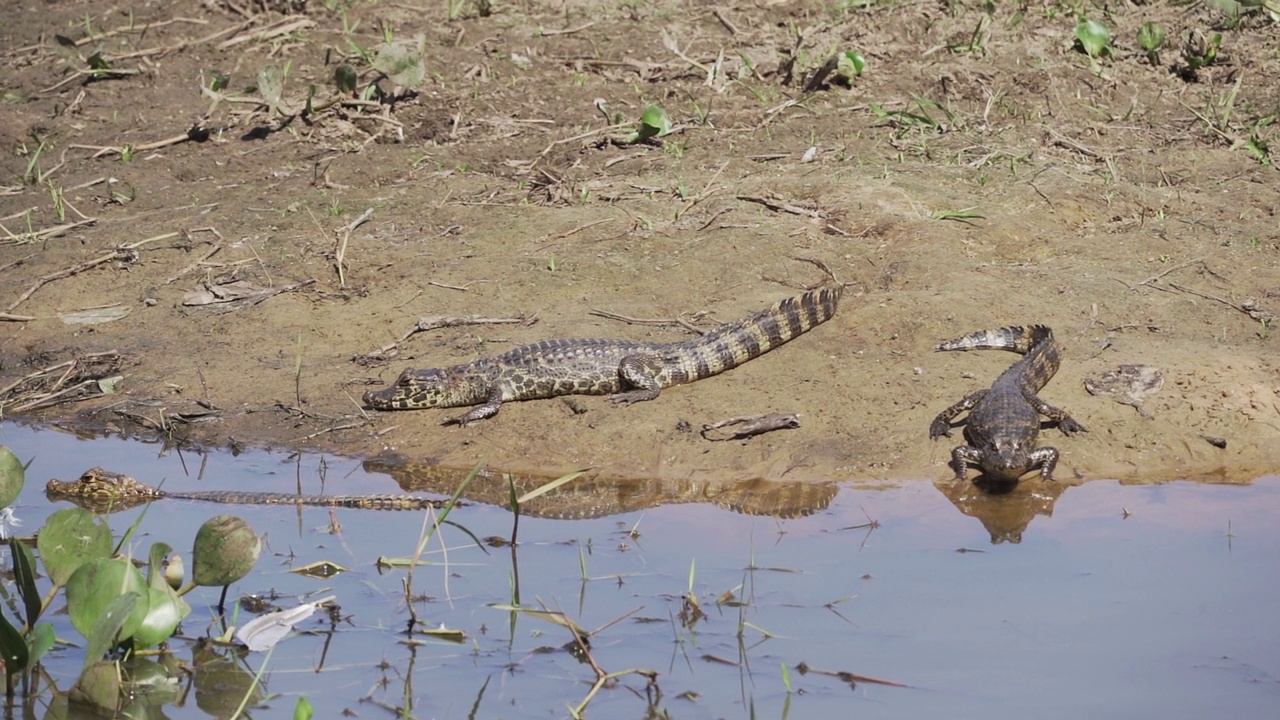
1103	600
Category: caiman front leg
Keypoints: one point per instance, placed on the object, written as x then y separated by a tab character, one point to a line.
961	455
941	425
1047	459
640	372
480	412
1066	423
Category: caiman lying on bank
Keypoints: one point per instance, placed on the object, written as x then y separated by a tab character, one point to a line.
630	371
103	490
1004	420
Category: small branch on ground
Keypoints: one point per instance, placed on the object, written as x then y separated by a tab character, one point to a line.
784	206
661	322
745	427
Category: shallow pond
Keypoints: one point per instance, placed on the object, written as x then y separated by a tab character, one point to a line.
1125	601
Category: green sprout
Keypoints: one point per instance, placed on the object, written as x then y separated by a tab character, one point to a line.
1198	51
1151	38
849	65
1094	38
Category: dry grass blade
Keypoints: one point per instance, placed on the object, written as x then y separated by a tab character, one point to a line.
544	489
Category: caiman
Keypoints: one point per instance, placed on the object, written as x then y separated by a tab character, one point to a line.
629	371
1004	420
103	490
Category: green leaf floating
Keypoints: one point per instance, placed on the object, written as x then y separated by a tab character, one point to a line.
70	538
225	550
93	593
12	477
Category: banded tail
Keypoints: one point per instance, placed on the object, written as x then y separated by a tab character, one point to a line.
728	346
1019	339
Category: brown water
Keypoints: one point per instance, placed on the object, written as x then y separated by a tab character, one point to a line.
1168	612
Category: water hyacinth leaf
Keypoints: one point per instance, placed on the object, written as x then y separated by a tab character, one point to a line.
302	709
402	63
106	630
41	639
95	589
24	575
155	564
345	78
13	648
849	65
264	631
13	476
164	611
99	685
225	550
70	538
1094	38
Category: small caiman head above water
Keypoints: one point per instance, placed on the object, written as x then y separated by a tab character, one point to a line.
1004	420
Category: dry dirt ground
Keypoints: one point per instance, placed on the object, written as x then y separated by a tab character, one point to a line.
203	245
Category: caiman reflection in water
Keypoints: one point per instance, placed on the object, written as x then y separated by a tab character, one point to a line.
1004	509
592	496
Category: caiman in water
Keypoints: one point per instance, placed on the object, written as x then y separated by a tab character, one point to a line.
629	371
1004	420
103	490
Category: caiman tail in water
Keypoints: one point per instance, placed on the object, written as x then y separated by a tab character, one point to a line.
630	371
1004	420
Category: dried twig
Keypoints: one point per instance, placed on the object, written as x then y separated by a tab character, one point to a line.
1248	307
1164	272
783	206
644	321
340	245
117	254
47	233
567	31
745	427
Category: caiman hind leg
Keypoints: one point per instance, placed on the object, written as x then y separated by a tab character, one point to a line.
639	371
941	425
1066	423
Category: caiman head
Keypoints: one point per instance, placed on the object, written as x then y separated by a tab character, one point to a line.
99	489
436	387
1007	459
